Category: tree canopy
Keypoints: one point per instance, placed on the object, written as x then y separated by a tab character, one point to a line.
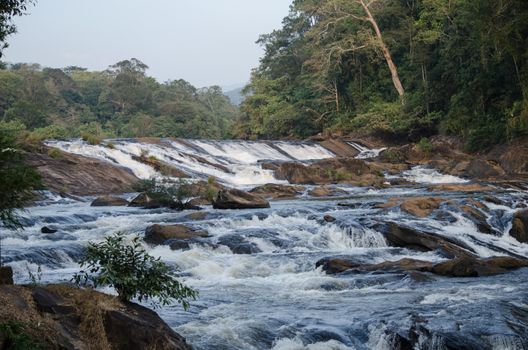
395	68
121	101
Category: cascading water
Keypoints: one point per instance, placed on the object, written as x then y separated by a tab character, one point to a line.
365	152
256	273
233	162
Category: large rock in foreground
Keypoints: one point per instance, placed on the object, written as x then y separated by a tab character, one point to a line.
63	317
238	199
519	229
160	234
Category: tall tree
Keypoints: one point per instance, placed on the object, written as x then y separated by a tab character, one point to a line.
8	10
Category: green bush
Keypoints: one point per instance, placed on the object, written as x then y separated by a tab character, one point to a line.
425	146
133	273
16	337
54	153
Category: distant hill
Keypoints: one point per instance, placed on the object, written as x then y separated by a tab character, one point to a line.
235	96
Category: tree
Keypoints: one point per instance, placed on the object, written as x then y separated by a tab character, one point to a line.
133	273
8	10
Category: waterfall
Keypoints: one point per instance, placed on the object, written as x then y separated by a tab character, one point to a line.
237	163
365	152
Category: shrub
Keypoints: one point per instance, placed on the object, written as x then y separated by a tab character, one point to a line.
92	139
54	153
133	273
425	146
16	336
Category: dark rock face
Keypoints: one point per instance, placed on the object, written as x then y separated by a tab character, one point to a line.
401	236
160	234
519	230
48	230
143	200
78	175
238	199
6	275
109	201
139	328
72	318
276	191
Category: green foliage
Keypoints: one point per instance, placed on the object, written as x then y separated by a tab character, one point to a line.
133	273
54	153
425	146
17	336
119	102
17	179
462	63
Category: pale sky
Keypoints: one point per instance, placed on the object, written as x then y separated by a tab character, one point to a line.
206	42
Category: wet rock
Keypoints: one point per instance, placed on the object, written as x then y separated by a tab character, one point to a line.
329	218
160	234
519	229
48	230
493	200
238	199
6	275
277	191
406	237
326	191
483	169
462	188
417	206
474	267
161	166
478	218
199	215
108	201
143	200
339	265
200	201
238	244
335	170
339	148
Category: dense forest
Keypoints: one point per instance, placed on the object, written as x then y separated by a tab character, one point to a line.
399	69
121	101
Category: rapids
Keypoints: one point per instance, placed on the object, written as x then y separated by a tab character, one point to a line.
275	297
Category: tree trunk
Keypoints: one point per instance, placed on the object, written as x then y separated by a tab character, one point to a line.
386	53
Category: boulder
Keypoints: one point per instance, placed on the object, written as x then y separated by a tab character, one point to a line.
474	267
48	230
417	206
478	218
65	317
238	199
329	218
338	265
334	170
483	169
277	191
421	206
109	201
143	200
406	237
160	234
326	191
519	229
6	275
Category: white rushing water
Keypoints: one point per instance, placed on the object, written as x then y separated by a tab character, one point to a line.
365	152
256	272
233	162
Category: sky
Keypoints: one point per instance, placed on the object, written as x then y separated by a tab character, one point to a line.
206	42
